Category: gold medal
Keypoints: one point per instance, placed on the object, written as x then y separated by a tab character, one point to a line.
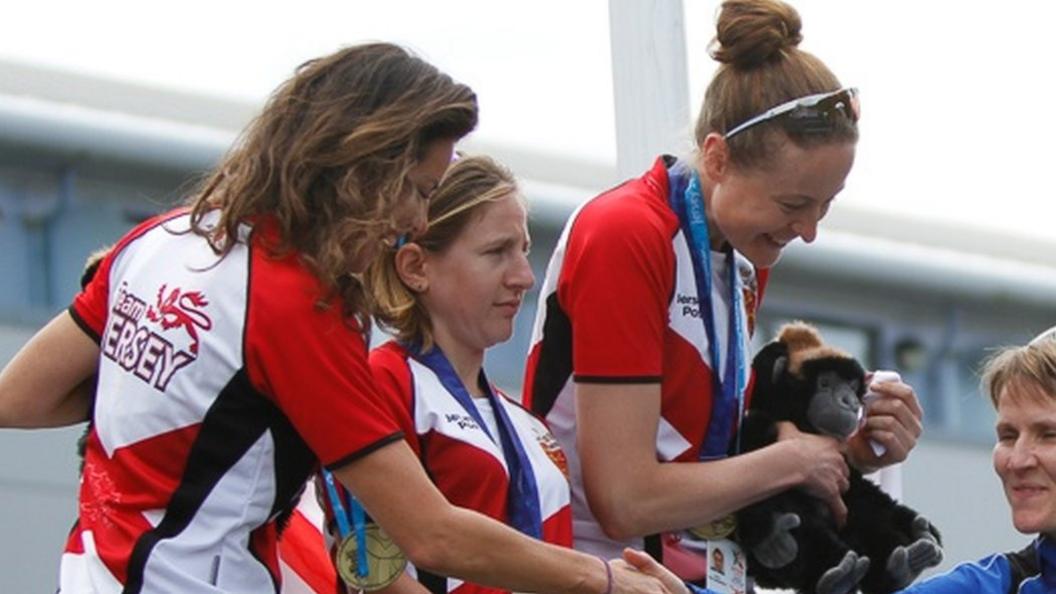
385	560
716	530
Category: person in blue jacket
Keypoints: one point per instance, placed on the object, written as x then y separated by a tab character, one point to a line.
1021	383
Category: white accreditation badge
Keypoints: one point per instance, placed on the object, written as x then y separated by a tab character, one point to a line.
727	567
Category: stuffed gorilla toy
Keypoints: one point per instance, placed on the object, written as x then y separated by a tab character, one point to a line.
791	538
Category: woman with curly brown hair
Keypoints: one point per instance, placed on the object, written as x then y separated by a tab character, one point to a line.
224	345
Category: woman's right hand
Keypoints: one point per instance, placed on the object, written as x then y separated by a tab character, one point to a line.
626	579
644	563
824	469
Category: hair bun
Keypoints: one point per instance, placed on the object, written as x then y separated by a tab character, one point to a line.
752	32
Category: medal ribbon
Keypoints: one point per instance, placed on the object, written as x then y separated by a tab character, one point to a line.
729	384
343	528
522	498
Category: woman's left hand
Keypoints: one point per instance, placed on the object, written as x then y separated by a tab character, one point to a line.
893	420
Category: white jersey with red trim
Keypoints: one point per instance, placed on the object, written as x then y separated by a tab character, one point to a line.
619	305
466	465
221	386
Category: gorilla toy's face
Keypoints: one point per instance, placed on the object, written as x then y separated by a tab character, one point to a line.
835	404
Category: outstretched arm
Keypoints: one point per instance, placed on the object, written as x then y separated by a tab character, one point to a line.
453	541
50	380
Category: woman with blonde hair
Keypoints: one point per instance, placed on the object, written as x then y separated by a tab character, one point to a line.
448	295
219	352
1021	384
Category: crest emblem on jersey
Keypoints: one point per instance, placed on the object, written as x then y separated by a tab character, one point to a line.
749	309
749	291
553	451
179	309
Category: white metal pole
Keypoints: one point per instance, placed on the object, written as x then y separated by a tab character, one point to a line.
650	82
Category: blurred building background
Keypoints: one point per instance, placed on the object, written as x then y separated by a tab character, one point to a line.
83	157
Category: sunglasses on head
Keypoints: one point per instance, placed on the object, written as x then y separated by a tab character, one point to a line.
812	114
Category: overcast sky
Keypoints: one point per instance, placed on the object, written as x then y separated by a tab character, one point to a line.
955	95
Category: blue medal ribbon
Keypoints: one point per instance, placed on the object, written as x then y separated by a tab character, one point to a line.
522	498
337	502
727	409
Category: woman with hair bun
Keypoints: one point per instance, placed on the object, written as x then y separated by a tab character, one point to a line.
640	360
219	351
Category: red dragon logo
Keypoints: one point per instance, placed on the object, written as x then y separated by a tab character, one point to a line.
181	310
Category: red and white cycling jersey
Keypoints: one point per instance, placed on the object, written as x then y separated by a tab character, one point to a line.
222	385
466	465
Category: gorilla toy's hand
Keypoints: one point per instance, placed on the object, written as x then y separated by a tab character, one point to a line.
905	563
780	547
844	578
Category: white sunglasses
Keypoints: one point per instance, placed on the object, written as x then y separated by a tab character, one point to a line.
812	114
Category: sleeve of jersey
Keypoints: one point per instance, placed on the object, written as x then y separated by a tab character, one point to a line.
313	364
614	286
89	307
990	574
393	379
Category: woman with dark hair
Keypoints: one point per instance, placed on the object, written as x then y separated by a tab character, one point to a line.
224	346
640	357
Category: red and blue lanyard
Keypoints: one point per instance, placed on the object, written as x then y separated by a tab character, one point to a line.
522	497
727	408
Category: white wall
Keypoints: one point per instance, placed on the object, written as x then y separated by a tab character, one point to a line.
38	495
955	487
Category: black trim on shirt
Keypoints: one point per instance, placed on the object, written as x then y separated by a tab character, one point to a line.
609	379
369	449
83	325
249	297
554	366
233	424
1022	564
294	463
654	547
436	584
